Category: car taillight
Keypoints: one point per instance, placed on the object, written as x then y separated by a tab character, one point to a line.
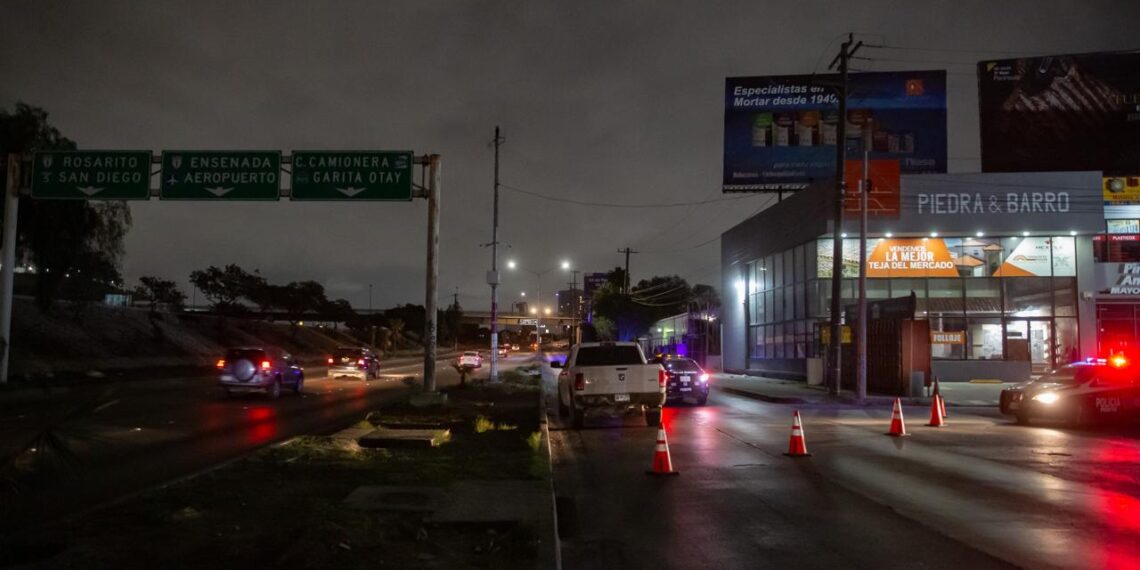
330	360
704	378
360	363
579	381
265	365
662	376
1118	361
221	363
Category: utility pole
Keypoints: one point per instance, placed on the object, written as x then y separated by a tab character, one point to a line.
493	275
861	335
834	348
373	326
626	251
430	329
8	260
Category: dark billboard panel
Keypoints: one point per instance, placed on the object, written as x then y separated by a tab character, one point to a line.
780	131
1060	113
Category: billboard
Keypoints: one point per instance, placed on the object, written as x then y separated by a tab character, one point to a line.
781	132
1012	256
1066	112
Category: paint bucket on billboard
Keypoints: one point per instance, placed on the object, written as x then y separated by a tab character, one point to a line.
807	128
784	133
762	130
829	128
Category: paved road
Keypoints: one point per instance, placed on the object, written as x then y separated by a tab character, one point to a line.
981	493
164	429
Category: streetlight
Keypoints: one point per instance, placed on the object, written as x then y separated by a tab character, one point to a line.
564	265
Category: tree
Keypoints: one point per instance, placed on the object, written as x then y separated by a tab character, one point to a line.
71	242
223	288
339	311
299	298
157	292
650	300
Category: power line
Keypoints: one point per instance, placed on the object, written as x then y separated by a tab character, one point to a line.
614	205
954	50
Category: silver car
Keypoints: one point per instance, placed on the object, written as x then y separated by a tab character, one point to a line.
258	369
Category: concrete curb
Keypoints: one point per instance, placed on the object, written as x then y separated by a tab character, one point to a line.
549	558
765	397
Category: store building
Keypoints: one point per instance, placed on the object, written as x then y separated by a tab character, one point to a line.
1002	266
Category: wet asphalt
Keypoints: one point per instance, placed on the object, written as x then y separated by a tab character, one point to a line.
979	493
160	430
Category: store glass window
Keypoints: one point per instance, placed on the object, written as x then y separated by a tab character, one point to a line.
789	302
983	297
944	297
769	269
1116	248
904	287
1122	226
950	346
1068	344
1064	256
1028	296
770	307
813	309
877	288
801	339
778	341
1065	296
778	269
778	306
798	270
983	339
801	308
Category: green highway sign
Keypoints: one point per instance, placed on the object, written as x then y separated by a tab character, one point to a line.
91	174
352	175
220	175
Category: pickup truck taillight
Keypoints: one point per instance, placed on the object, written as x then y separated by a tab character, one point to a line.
662	376
579	381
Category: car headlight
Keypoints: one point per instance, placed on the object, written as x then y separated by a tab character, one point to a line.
1047	397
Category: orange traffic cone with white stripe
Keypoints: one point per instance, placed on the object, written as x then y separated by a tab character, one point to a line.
898	428
662	462
936	412
797	446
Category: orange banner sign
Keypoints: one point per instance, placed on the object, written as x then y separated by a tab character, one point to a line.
949	337
917	257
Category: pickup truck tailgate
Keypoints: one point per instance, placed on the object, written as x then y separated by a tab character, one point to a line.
632	378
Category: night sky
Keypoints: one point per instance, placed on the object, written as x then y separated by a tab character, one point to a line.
616	102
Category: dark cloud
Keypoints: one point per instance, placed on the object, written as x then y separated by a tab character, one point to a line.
601	101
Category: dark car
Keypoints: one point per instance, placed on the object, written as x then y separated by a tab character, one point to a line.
259	369
1094	391
354	361
685	380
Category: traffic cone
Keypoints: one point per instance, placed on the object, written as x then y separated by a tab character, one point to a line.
797	446
662	463
936	412
898	428
941	400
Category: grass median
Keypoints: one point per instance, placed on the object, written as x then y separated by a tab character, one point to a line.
284	505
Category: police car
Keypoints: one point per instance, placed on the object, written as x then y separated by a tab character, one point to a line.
1093	391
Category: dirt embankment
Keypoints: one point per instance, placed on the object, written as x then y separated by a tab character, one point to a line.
114	338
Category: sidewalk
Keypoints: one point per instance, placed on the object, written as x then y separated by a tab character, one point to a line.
796	392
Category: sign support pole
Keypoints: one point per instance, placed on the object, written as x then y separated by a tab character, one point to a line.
8	261
432	273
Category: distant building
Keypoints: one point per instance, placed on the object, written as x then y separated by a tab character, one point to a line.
570	302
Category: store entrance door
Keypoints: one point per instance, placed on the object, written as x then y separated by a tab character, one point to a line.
1032	340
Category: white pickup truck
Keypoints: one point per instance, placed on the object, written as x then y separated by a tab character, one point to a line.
609	375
